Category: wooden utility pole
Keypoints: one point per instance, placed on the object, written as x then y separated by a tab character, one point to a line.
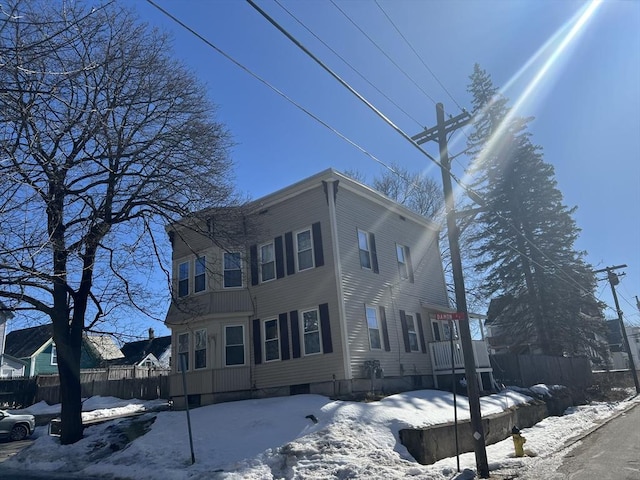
613	281
439	133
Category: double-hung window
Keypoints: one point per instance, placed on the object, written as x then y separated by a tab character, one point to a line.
365	249
311	331
374	327
183	279
54	354
234	345
304	248
200	354
232	269
183	351
271	340
412	333
200	276
403	261
267	262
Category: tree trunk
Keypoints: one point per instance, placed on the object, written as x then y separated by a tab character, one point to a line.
68	340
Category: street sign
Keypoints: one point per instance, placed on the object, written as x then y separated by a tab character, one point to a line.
450	316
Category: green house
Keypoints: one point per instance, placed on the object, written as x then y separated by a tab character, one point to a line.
36	348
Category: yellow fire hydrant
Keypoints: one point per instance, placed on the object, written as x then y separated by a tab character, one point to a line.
518	441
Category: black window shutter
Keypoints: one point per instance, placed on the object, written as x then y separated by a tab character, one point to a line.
325	326
279	247
318	254
295	334
421	333
409	264
405	331
253	261
288	245
257	342
284	337
374	254
385	331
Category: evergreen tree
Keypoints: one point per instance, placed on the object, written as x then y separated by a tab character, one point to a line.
526	244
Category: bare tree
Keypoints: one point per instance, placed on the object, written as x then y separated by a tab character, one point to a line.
411	189
105	139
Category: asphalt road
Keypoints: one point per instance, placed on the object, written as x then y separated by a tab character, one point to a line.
610	453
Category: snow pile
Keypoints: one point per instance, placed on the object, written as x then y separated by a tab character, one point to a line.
277	438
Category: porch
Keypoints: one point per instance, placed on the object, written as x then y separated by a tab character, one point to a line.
441	356
442	368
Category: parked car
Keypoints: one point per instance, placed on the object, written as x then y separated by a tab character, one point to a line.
16	427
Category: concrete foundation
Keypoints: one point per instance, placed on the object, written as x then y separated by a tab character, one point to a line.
430	444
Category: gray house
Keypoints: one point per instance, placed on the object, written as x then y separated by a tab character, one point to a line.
339	292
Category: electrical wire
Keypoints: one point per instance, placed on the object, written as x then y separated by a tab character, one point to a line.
418	55
346	62
382	51
572	282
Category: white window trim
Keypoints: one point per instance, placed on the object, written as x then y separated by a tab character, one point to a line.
195	263
54	354
244	346
241	270
188	279
196	349
260	263
368	249
302	332
264	342
414	329
313	260
179	353
366	317
404	263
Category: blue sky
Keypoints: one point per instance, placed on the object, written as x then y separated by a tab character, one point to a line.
583	90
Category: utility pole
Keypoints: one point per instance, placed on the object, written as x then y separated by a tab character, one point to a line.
613	281
439	133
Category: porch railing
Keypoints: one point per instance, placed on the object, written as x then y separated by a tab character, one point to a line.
441	355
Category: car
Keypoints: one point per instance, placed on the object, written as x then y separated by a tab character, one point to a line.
16	426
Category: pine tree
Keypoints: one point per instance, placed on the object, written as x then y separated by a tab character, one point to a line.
542	287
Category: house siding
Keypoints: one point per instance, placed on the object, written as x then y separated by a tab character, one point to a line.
300	291
365	287
43	362
339	298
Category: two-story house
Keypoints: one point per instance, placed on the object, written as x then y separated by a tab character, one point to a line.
341	284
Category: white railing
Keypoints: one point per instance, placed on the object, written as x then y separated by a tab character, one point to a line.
441	355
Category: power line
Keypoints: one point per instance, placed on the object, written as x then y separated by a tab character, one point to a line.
476	197
383	52
418	55
346	62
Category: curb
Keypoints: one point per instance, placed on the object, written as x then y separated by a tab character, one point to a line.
588	432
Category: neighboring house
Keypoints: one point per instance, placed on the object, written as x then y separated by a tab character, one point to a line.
152	352
34	347
342	285
619	355
9	366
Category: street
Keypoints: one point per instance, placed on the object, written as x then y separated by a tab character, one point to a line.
611	452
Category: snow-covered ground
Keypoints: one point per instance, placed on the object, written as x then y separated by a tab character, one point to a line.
274	438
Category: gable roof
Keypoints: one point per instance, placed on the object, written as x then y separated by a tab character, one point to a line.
103	347
24	343
135	352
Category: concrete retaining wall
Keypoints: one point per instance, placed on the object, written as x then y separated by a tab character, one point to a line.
430	444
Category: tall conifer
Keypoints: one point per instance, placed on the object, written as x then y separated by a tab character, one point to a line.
541	286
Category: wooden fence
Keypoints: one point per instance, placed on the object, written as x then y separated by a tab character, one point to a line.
121	382
528	370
